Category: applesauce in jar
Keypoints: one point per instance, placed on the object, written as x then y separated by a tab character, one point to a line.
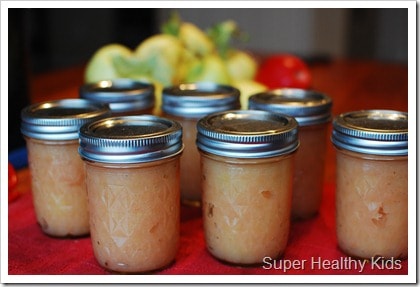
312	111
57	172
187	103
133	183
124	96
247	160
372	183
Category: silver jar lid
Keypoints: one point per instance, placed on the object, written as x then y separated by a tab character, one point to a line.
130	139
378	132
60	119
247	134
197	100
306	106
122	95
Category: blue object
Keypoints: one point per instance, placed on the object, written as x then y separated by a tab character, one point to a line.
19	158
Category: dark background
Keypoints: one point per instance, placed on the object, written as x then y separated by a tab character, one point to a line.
43	40
46	39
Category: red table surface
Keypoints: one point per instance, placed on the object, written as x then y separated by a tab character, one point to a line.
33	252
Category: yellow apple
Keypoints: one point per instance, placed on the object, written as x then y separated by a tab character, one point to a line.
101	65
195	40
247	89
241	65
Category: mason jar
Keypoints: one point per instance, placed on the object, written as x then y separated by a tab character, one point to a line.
312	111
372	183
132	178
187	103
247	163
124	96
58	176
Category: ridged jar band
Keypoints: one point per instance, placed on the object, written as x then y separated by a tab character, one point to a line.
196	100
122	95
247	134
61	119
378	132
130	139
306	106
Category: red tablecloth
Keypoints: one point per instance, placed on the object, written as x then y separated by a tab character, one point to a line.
352	84
32	252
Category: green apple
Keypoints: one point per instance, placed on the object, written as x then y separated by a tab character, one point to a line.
161	55
131	67
101	64
210	69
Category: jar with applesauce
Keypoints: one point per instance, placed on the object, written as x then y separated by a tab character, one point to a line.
247	160
132	178
124	96
372	183
312	111
187	103
51	131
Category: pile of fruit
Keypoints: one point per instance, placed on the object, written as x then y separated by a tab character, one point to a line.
183	53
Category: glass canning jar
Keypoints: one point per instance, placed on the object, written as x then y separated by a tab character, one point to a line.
132	179
58	177
247	160
372	183
124	96
312	111
187	103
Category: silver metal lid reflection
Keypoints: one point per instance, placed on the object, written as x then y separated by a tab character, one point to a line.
130	139
307	107
247	134
60	119
199	99
379	132
122	95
